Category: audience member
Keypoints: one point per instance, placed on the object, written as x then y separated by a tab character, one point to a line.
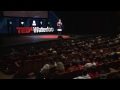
85	75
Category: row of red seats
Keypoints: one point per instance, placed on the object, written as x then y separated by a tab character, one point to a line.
71	75
12	67
34	57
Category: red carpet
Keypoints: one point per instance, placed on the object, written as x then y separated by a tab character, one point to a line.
52	36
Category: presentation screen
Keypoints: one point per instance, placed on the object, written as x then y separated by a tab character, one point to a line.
31	14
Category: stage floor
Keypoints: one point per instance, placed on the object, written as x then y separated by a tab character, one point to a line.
25	39
28	39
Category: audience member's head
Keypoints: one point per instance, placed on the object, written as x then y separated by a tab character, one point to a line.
54	53
93	70
106	68
51	61
56	59
84	72
44	54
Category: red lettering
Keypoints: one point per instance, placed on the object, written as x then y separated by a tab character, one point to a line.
18	28
21	29
24	29
30	29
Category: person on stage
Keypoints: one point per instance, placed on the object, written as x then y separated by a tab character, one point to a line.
59	24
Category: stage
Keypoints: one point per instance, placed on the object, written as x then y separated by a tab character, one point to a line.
28	39
37	38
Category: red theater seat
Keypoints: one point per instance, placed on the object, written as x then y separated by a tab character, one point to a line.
37	65
68	75
28	67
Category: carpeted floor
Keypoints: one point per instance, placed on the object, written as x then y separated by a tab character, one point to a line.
4	76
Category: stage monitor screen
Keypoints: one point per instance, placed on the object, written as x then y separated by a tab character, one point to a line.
29	14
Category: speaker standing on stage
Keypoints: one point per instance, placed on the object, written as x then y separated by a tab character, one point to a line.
59	24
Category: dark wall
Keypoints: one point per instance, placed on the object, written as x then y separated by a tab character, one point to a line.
88	22
79	22
118	21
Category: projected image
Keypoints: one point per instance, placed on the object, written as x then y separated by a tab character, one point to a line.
35	14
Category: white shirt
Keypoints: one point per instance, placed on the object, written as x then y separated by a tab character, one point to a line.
94	63
112	53
60	66
83	77
88	65
45	69
51	49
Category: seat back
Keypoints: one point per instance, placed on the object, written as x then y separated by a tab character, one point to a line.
28	67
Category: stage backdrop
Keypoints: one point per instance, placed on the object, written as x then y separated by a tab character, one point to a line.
38	16
33	14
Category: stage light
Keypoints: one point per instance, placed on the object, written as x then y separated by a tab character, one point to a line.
41	22
34	23
22	23
10	26
10	23
48	23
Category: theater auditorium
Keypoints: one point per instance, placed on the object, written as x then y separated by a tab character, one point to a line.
59	44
